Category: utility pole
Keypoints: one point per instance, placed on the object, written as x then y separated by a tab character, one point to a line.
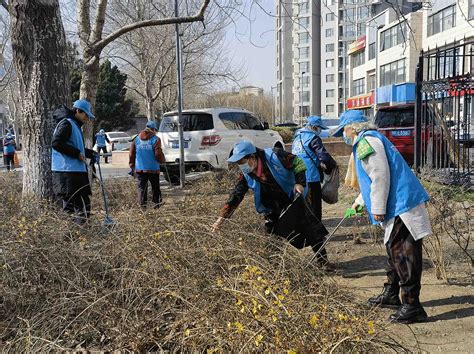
377	44
273	105
301	99
179	76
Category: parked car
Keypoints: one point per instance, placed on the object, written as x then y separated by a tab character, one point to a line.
209	137
398	125
331	123
119	141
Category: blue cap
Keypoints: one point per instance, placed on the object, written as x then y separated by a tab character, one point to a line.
152	125
349	117
242	149
316	121
85	106
9	135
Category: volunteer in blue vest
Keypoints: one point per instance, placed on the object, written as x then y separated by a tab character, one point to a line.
309	146
68	160
146	156
275	176
9	150
101	139
395	199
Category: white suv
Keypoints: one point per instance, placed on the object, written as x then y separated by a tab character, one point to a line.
209	137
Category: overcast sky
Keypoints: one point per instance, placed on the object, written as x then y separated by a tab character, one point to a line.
252	42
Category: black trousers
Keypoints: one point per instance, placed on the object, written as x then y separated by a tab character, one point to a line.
79	205
405	262
104	150
142	180
9	161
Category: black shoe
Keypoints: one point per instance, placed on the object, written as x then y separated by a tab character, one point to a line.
409	313
389	298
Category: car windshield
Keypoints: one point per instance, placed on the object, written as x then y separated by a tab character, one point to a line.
191	122
331	122
118	135
395	118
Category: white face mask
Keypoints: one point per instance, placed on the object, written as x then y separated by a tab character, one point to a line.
348	139
245	168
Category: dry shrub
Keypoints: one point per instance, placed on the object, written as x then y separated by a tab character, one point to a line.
161	281
287	134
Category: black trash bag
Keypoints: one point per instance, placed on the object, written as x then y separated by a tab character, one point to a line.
298	224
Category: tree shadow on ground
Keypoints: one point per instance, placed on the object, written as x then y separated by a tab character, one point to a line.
454	314
453	300
367	265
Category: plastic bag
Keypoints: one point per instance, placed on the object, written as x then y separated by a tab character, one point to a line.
330	186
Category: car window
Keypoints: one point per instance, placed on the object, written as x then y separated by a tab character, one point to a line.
230	121
118	135
253	122
331	122
395	118
191	122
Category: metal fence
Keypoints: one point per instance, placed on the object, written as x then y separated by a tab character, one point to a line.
444	114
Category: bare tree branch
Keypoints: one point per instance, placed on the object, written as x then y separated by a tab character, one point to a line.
84	21
5	5
98	46
98	28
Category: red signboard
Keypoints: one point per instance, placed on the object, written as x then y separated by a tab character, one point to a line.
363	101
359	44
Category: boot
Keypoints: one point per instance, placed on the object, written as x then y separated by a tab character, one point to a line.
409	313
388	298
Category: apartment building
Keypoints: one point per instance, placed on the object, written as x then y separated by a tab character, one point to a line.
383	62
312	39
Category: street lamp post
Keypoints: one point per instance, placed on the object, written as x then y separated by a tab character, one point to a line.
301	99
376	66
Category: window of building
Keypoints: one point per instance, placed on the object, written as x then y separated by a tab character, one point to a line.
330	63
329	108
305	96
303	53
471	10
363	12
304	22
329	48
304	7
304	38
330	93
329	32
371	82
330	17
358	87
361	29
305	81
349	30
442	20
329	2
392	73
349	15
304	111
372	51
393	36
358	59
304	67
330	78
446	65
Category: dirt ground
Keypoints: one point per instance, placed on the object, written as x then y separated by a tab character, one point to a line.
361	266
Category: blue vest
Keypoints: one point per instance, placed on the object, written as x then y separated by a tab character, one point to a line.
406	191
9	149
301	148
145	155
100	140
64	163
284	177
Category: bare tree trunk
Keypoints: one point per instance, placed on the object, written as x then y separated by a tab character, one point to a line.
88	91
39	42
150	108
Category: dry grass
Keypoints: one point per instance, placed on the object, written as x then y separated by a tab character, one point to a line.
162	281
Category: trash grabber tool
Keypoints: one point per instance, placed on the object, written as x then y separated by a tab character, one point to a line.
316	254
108	221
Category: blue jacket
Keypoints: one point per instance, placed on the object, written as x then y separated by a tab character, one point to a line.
301	147
100	140
406	191
284	177
9	149
145	154
64	163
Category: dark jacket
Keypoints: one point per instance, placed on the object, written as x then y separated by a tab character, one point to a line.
159	156
68	183
323	156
